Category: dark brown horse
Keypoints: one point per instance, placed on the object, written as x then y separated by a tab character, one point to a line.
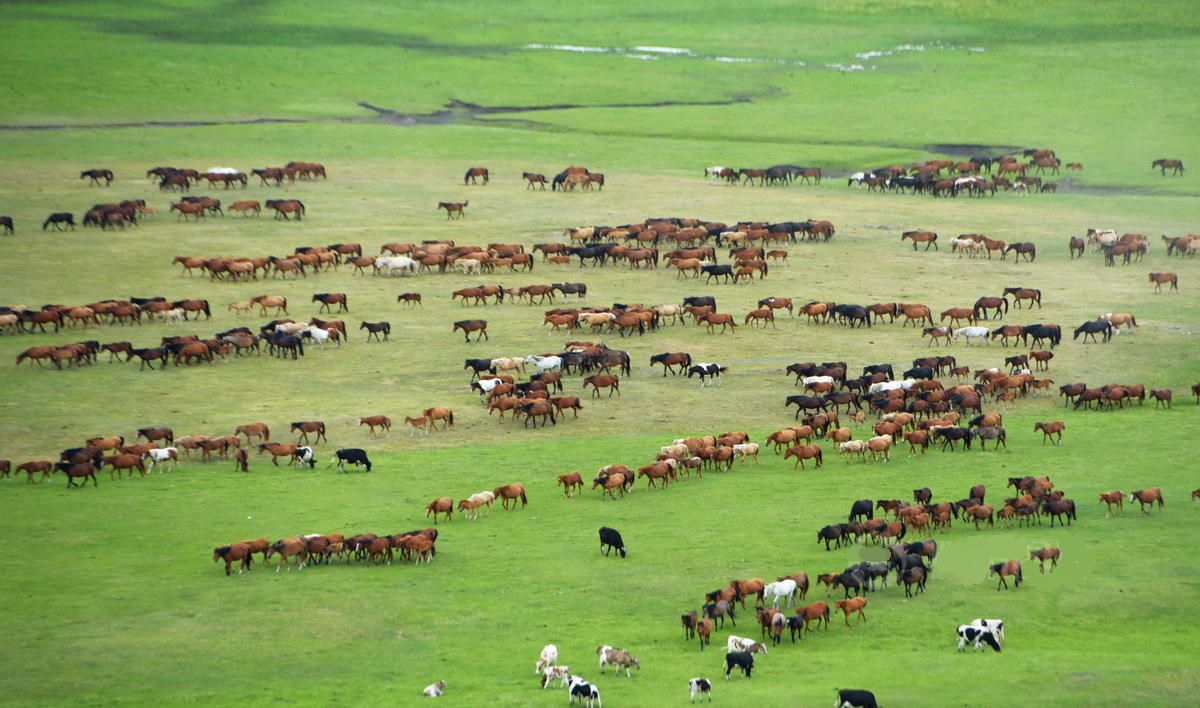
1164	164
534	178
469	326
473	173
454	210
1025	249
1005	569
327	301
310	426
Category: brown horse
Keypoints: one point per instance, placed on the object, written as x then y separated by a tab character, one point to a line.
1110	498
610	482
1147	497
1052	428
804	452
1159	279
720	318
376	421
511	492
816	612
46	467
599	381
1164	164
1005	569
1042	555
445	415
570	481
187	209
850	606
309	426
534	178
955	314
327	300
441	505
928	238
469	326
254	430
453	209
239	552
473	173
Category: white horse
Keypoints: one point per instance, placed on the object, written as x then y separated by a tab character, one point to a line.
161	456
223	171
970	333
713	172
175	316
391	264
320	336
858	178
783	588
808	380
544	363
469	266
967	245
745	450
486	385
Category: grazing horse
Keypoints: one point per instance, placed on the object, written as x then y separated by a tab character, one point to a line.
1005	569
1147	497
454	210
237	552
1164	278
1091	328
1024	249
311	426
57	219
475	172
511	492
1161	396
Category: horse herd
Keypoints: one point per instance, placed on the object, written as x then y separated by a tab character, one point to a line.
951	178
323	549
781	175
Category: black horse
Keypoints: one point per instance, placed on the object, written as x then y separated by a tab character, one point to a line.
7	223
851	314
96	176
833	532
1040	332
1090	329
806	403
57	219
374	329
862	507
717	271
953	434
597	254
579	289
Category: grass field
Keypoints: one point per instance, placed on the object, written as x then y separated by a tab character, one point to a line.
111	595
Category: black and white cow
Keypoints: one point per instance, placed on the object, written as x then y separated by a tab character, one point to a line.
305	456
706	371
856	698
997	626
584	691
977	636
612	539
744	660
701	687
352	455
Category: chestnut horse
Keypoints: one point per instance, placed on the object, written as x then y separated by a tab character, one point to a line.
570	481
1147	497
441	505
1005	569
1159	279
311	426
475	172
381	421
1114	497
511	492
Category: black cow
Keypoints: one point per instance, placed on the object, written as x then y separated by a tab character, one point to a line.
744	660
862	507
701	301
353	455
854	698
612	539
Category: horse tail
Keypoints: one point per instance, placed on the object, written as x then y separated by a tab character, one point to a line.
451	417
466	176
688	359
207	311
524	501
903	530
1133	320
1005	301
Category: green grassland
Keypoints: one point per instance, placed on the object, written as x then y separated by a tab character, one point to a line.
111	597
